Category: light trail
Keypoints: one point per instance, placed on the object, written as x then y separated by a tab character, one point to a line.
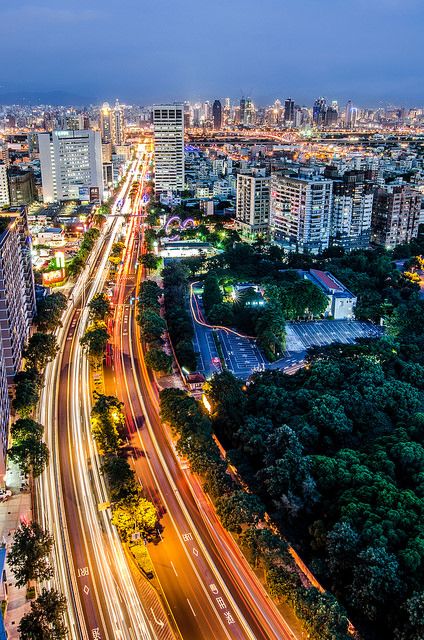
124	612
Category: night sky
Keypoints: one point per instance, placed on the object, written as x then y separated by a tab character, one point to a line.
138	50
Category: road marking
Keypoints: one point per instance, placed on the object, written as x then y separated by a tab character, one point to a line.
196	553
83	571
175	571
159	622
192	610
187	536
86	590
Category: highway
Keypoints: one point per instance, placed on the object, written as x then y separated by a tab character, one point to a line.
91	567
208	585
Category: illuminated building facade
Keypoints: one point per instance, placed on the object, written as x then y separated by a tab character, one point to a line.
168	123
71	165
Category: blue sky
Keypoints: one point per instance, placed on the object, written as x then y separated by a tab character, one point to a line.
367	50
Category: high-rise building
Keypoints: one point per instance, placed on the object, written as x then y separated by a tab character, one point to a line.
395	216
4	185
252	207
4	412
17	298
352	211
351	115
106	123
242	112
217	115
289	112
168	123
71	165
21	186
300	211
318	111
331	117
227	111
118	124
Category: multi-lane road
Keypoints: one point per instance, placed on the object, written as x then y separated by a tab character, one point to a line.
91	567
209	587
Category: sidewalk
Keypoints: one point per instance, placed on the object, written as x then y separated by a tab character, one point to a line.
12	512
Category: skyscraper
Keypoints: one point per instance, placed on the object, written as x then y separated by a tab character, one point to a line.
352	211
217	115
17	297
289	112
252	207
242	112
4	412
300	211
351	114
117	124
318	111
71	165
4	185
106	123
168	123
396	214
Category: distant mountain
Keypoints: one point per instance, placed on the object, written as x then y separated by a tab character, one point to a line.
54	98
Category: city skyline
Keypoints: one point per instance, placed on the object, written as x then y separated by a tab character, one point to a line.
345	52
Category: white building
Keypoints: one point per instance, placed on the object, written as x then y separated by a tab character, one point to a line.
252	205
4	187
300	211
168	121
71	165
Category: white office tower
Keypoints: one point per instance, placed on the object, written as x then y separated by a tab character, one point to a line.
71	165
168	122
252	206
300	211
118	124
4	186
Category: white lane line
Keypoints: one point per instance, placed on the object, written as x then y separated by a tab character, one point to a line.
175	571
192	610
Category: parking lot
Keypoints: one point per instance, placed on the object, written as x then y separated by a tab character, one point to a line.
320	333
241	355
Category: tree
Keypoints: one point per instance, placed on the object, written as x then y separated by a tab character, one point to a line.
212	294
239	508
25	427
30	454
41	349
94	340
115	256
49	311
121	478
137	516
158	360
28	556
150	261
45	620
75	266
270	329
107	419
99	307
26	397
152	325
